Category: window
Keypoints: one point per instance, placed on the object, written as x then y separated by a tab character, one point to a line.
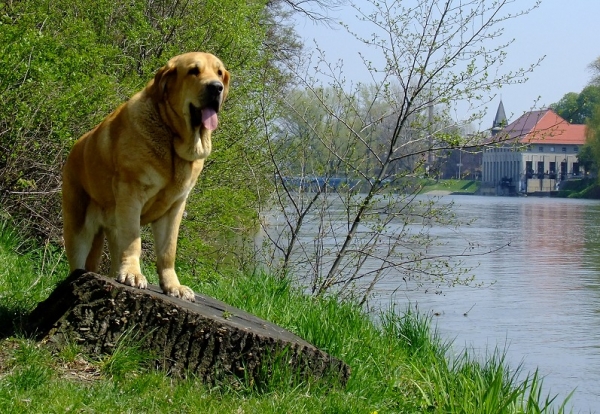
529	169
541	149
575	149
540	169
552	170
564	149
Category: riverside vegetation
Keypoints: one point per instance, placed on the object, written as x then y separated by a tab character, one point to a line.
65	64
398	362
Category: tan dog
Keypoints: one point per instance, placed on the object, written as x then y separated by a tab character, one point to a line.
138	166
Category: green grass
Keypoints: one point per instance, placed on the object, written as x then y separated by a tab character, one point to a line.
399	363
27	275
454	186
579	188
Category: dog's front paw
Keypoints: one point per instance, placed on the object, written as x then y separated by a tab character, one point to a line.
137	280
182	292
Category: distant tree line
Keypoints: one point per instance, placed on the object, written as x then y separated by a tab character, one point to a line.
584	108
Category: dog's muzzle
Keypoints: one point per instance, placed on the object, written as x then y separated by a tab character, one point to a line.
214	90
207	114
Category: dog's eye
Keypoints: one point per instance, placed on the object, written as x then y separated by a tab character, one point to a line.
220	73
194	71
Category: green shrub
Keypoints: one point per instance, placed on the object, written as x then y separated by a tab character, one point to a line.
65	65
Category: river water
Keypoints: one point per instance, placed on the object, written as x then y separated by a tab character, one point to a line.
541	302
544	304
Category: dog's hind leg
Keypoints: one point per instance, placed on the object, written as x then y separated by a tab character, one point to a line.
113	249
79	231
92	262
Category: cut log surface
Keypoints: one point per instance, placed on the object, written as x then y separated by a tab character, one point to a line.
208	338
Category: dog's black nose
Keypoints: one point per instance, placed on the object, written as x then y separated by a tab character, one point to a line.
214	88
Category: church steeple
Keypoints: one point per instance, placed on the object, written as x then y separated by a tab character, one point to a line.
500	120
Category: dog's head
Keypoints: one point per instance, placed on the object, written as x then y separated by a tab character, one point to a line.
194	86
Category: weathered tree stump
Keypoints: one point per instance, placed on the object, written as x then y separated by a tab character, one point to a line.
208	338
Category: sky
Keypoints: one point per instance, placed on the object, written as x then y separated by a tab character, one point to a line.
566	33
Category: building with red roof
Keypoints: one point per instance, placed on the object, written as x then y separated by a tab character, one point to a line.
532	154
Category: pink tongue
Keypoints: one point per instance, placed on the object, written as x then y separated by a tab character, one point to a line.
210	119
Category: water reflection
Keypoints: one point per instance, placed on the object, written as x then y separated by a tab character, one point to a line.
545	302
542	298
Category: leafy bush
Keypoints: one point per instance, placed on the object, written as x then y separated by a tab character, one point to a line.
66	64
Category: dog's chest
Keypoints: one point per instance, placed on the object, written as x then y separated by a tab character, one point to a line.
173	191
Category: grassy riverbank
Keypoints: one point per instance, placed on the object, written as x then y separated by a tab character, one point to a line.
451	186
583	188
398	364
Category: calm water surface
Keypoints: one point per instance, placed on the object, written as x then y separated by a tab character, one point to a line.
545	303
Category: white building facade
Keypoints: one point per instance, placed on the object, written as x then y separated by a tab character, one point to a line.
533	154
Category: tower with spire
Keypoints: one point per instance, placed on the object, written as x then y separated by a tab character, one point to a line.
500	120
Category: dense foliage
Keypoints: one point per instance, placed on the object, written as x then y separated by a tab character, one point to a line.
590	157
584	108
591	154
66	64
577	108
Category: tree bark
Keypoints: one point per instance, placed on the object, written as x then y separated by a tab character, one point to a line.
208	338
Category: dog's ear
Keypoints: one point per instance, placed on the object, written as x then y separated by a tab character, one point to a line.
162	79
226	77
